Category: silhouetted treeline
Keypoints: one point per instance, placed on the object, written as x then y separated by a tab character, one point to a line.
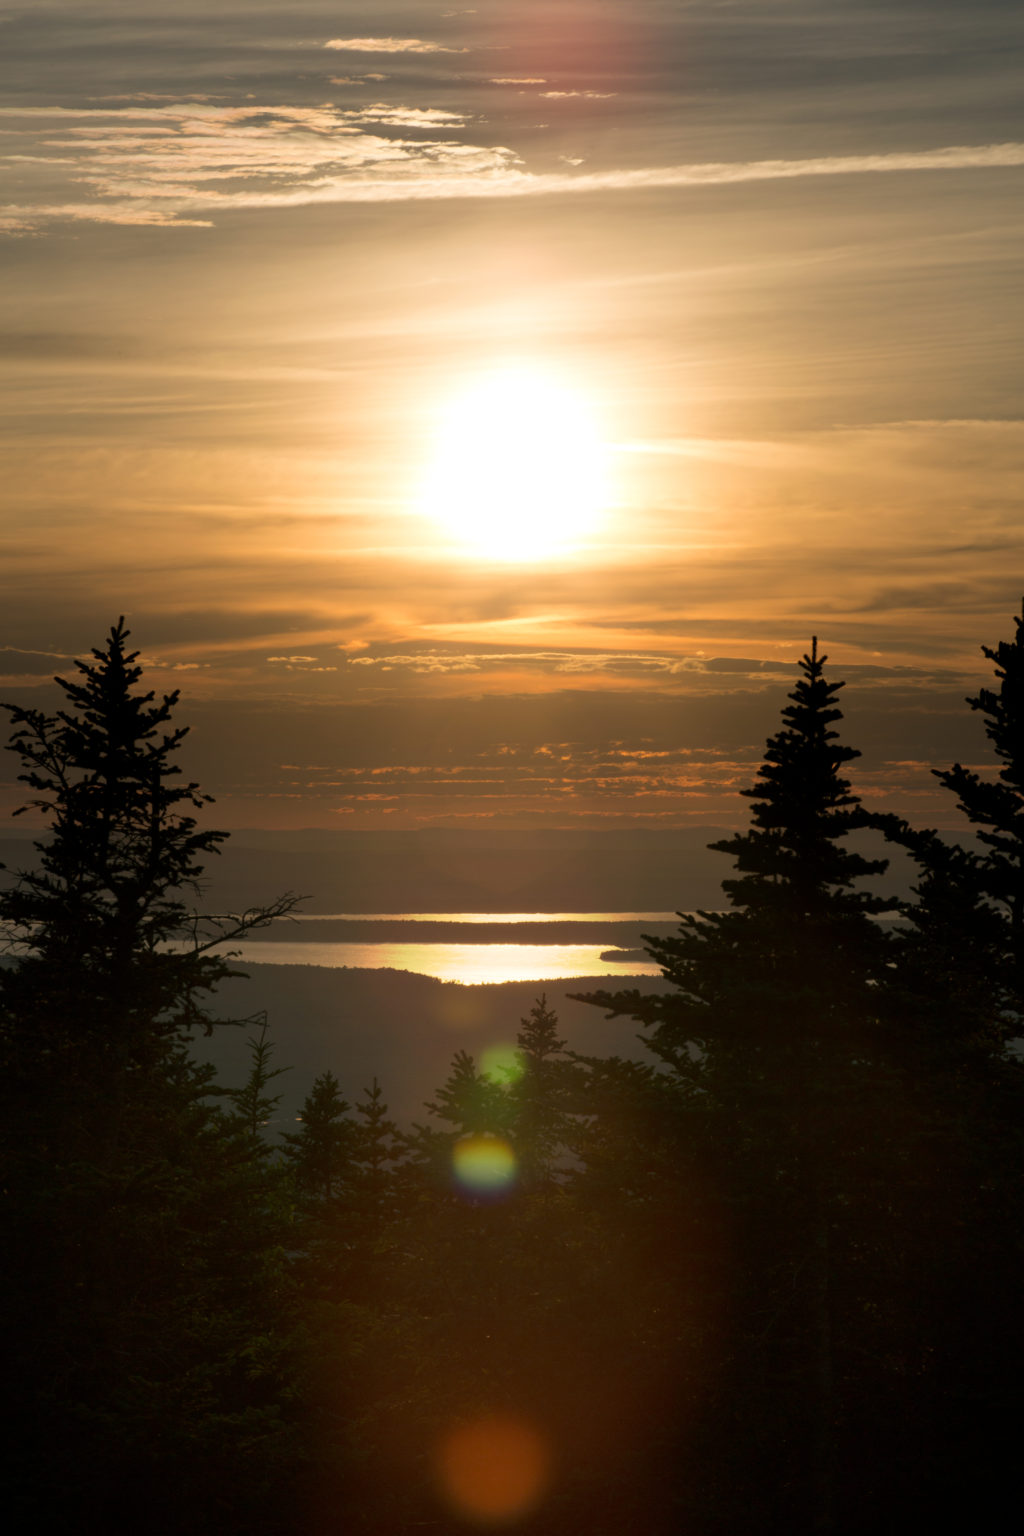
765	1279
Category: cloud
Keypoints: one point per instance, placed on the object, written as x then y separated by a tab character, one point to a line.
20	664
405	117
185	164
389	45
179	165
519	80
957	157
590	95
567	662
300	663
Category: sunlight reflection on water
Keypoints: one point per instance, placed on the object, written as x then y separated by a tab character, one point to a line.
484	917
472	964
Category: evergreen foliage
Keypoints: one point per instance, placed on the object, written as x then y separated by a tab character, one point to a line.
471	1101
376	1153
542	1126
107	938
139	1314
253	1105
773	1038
995	806
954	999
320	1153
766	1281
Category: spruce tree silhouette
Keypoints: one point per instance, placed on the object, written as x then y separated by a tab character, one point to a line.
320	1152
772	1032
955	1002
114	961
138	1214
791	963
541	1126
996	806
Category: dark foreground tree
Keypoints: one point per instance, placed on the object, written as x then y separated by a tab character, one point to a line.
772	1036
540	1094
115	964
994	805
955	996
320	1151
137	1305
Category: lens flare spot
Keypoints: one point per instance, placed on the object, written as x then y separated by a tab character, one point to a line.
501	1064
484	1164
495	1470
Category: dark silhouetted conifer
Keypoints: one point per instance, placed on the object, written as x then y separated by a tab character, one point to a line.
955	1001
541	1124
320	1153
253	1106
773	1035
142	1236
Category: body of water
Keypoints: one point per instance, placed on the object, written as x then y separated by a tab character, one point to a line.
471	964
468	947
485	917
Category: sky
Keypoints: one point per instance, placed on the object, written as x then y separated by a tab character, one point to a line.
475	411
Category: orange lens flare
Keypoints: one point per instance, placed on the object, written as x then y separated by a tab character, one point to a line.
495	1470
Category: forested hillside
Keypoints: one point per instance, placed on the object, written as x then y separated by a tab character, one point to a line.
756	1271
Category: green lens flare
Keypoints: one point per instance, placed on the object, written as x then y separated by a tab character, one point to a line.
501	1064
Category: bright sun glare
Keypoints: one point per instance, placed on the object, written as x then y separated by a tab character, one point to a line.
519	469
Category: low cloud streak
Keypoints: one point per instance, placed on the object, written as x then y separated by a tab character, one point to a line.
389	45
187	163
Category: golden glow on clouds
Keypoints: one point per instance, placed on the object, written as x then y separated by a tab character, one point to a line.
519	471
190	161
388	45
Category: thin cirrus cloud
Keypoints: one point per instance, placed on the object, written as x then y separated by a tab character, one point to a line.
389	45
187	163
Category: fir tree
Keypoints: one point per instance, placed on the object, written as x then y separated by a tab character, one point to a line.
772	1033
955	998
788	970
376	1151
995	806
320	1153
139	1308
253	1105
114	961
471	1101
539	1092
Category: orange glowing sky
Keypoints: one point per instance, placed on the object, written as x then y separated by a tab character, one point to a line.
759	260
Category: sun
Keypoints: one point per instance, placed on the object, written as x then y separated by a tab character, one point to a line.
519	470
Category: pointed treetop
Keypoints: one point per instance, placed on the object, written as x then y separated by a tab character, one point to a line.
1000	805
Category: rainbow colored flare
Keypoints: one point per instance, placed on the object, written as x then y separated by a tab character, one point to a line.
484	1164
